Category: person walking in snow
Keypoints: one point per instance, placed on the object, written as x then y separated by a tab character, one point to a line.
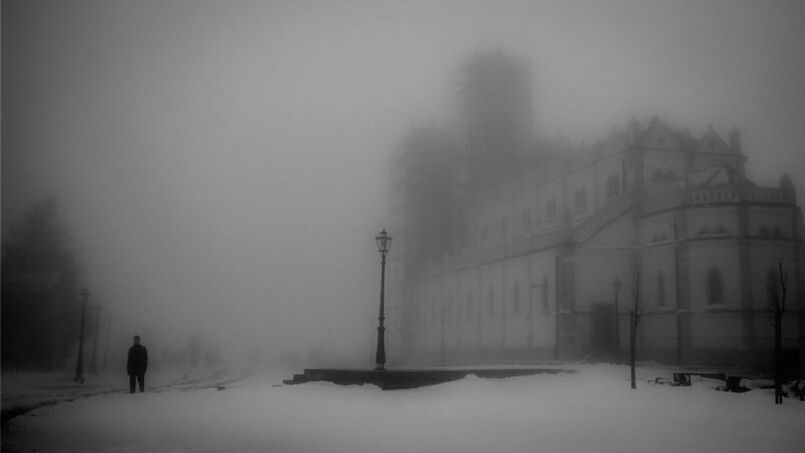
137	364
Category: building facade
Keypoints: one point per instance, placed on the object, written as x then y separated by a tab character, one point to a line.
522	265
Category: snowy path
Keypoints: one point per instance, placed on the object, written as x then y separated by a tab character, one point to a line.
25	392
592	410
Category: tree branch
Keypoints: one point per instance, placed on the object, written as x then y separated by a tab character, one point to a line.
783	286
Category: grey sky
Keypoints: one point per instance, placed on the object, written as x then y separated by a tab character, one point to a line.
223	165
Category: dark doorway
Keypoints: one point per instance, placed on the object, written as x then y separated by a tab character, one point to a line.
602	337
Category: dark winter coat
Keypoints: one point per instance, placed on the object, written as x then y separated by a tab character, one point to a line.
138	359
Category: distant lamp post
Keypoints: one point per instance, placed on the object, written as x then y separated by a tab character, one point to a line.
79	365
383	243
616	287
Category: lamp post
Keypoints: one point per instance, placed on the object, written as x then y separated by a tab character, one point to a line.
383	243
616	286
79	365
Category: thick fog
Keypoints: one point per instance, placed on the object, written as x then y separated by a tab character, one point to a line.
223	167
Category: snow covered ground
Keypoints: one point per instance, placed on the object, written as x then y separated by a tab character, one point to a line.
591	410
31	389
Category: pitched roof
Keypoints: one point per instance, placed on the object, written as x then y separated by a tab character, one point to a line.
711	142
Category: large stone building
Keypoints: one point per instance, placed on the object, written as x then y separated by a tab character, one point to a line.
508	248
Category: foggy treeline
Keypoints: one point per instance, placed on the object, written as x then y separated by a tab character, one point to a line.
40	301
42	309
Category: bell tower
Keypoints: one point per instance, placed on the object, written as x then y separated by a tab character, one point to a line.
496	114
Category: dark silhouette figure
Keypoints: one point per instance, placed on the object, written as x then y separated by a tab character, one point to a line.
137	364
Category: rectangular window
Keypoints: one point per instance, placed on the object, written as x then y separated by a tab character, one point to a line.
715	287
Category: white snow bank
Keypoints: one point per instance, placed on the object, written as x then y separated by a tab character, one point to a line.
591	410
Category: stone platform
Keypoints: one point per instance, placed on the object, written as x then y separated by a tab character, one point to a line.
406	378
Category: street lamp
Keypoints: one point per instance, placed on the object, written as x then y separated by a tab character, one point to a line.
383	243
79	365
616	286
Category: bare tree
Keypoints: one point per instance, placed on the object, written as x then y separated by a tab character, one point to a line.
634	318
777	303
106	344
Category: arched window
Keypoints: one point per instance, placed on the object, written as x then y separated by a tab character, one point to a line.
516	299
715	287
545	303
660	290
491	302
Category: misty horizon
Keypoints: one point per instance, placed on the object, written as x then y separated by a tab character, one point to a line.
222	169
